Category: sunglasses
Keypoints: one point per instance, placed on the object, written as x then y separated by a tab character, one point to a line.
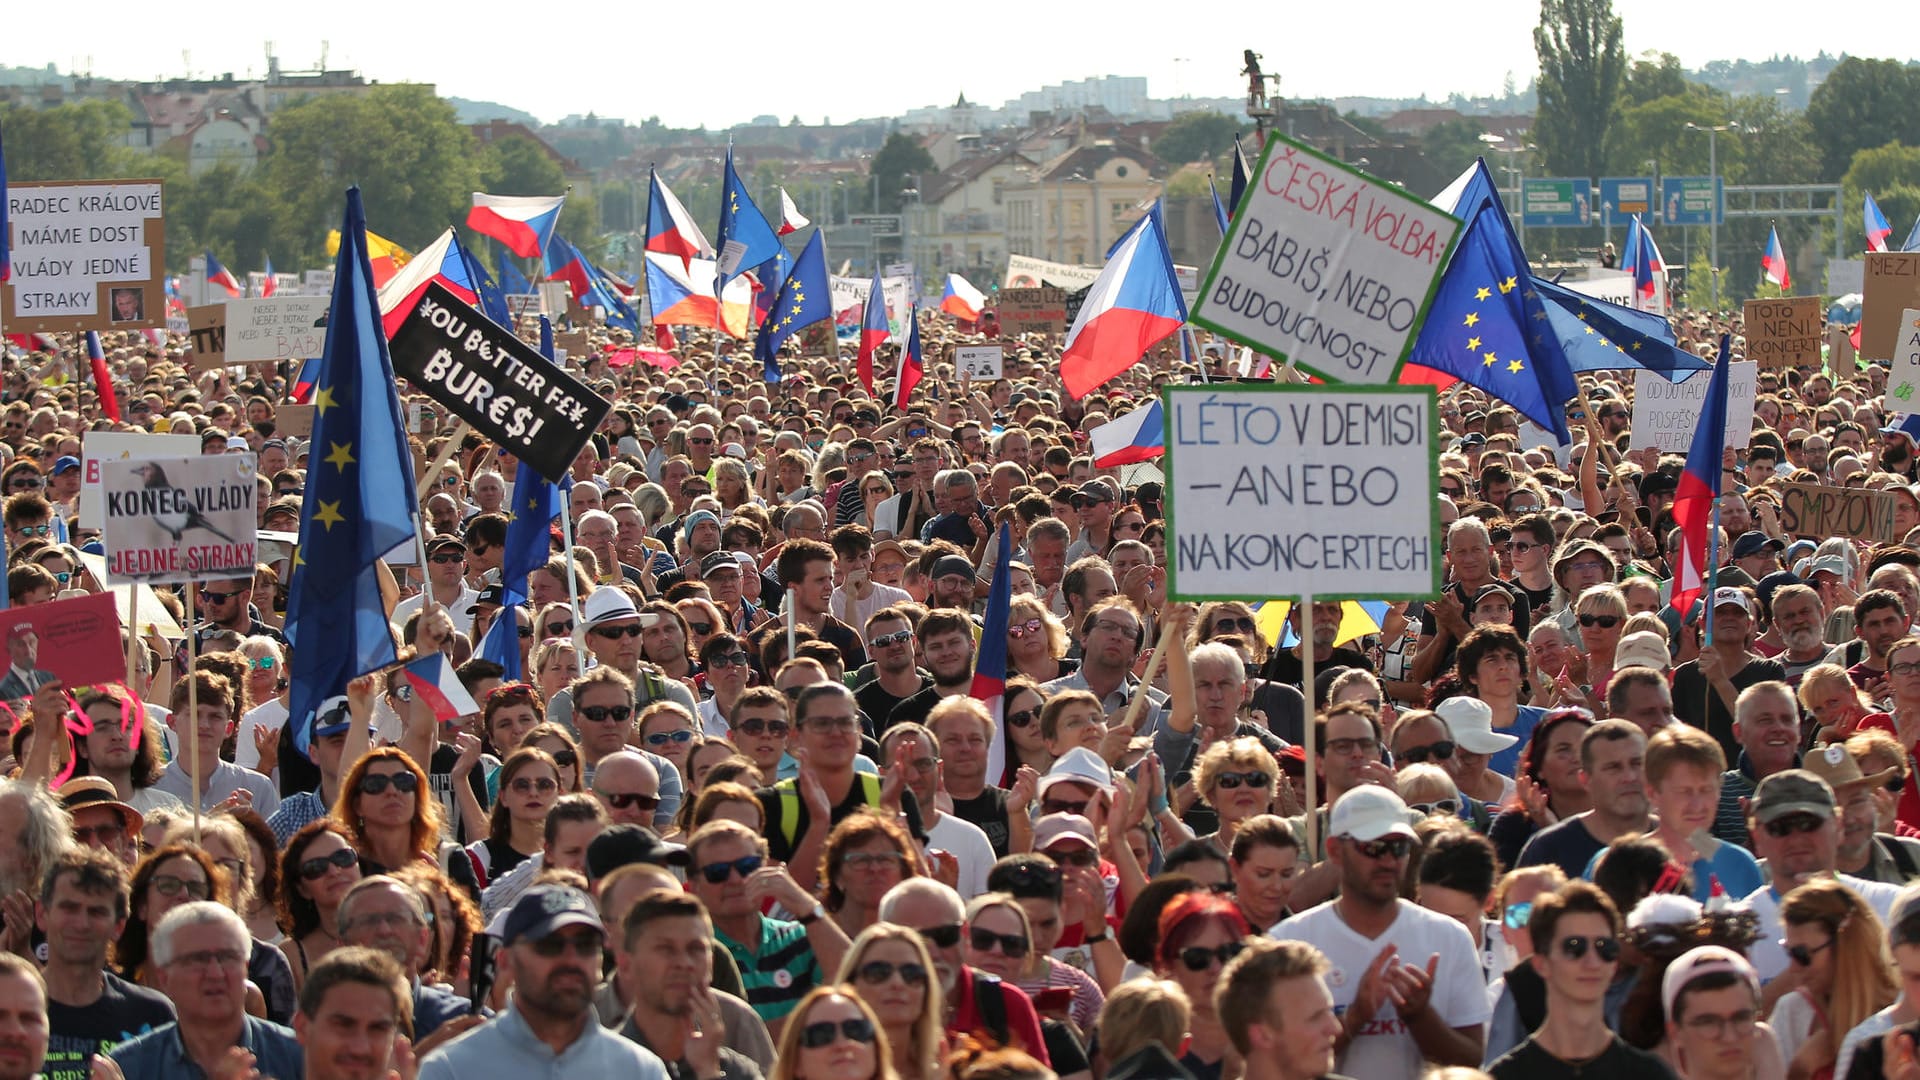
613	633
566	759
1604	622
600	714
585	945
1518	915
527	785
1440	751
447	558
1078	856
758	727
826	1032
662	738
1024	717
1228	626
1199	959
1231	781
630	800
1606	948
1076	808
168	885
701	628
1802	955
1012	946
1780	828
898	637
1031	626
560	629
316	868
261	663
879	971
718	872
374	783
1448	807
942	937
727	660
1395	846
207	596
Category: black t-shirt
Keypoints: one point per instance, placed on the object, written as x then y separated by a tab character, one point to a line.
1691	692
1537	599
77	1033
913	710
1567	844
989	811
1618	1062
781	842
878	703
501	858
1284	665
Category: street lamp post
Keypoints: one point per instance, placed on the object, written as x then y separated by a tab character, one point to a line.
1713	220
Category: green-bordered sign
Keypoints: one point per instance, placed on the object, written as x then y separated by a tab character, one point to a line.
1326	266
1282	491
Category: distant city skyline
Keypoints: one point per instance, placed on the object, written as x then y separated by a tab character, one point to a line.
681	66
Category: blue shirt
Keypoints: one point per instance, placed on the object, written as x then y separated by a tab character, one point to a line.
506	1048
296	812
1507	762
160	1055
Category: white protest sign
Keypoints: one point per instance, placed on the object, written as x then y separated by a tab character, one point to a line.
1326	266
1291	490
1665	413
554	297
86	255
318	282
149	612
179	519
979	361
101	446
850	293
1903	382
1027	272
1846	276
277	328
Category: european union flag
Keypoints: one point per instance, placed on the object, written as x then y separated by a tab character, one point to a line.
493	304
804	298
746	240
1219	212
1598	336
512	281
619	312
360	501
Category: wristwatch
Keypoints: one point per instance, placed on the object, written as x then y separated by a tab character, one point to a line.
1093	940
819	912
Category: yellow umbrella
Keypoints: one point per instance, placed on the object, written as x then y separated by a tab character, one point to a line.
1355	622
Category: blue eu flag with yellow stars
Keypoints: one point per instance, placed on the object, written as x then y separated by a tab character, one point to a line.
804	299
360	502
745	239
1481	326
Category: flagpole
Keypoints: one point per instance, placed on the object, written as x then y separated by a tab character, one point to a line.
133	631
193	714
1305	634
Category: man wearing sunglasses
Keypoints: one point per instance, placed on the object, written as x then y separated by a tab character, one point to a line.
613	628
552	945
228	605
1391	950
666	955
27	516
447	577
1576	951
946	636
895	675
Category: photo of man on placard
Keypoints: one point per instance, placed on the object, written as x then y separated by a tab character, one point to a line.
129	304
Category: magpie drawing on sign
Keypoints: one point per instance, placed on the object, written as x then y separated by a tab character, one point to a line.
184	515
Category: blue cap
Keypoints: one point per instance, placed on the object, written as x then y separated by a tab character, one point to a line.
333	718
62	464
546	909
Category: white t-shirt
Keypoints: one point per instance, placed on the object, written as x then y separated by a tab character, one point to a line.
1871	1028
1384	1049
462	621
965	842
855	613
1766	955
270	714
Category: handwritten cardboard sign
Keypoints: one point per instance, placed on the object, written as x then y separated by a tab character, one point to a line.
1041	310
1783	332
1816	510
1893	285
1903	379
1665	413
268	330
207	331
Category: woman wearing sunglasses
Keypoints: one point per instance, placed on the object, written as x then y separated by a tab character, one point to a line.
319	865
1199	933
559	744
1036	642
1601	612
1238	778
833	1035
888	967
516	829
865	855
665	728
1837	949
391	815
168	877
1025	745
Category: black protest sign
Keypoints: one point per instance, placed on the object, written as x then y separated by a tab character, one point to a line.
496	382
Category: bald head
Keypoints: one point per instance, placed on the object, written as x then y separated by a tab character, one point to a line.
619	777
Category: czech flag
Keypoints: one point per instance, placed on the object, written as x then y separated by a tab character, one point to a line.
670	229
524	223
1699	488
1131	306
443	261
102	380
873	331
962	300
791	219
1138	436
1877	228
912	364
1773	265
434	682
1642	258
990	663
682	295
269	285
223	277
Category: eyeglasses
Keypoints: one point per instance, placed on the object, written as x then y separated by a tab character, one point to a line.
1604	622
613	633
1073	856
1802	954
586	945
1198	959
1606	948
898	637
1783	827
942	937
1361	745
403	782
1231	781
397	920
1716	1027
316	868
560	629
826	1032
404	691
718	872
727	660
631	800
873	860
261	663
1031	626
527	785
91	835
1448	807
1439	751
1905	668
1024	717
1049	806
757	727
662	738
1129	629
1012	946
1518	915
1389	847
1590	564
208	596
168	885
600	714
879	971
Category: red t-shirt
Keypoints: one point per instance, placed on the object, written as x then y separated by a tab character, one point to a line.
1023	1023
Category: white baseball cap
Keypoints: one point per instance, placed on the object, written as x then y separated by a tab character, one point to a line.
1370	812
1470	722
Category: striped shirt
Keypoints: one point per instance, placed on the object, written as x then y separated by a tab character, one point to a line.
777	973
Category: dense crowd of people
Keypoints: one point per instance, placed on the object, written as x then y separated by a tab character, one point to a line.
740	816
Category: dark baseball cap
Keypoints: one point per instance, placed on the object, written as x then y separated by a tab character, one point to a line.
444	542
1754	542
547	909
1793	791
718	560
332	718
624	845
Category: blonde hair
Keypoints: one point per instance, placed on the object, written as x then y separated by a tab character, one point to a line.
1221	757
1863	982
1820	676
180	831
787	1058
929	1029
1141	1011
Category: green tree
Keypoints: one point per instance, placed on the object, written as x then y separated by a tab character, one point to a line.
1195	136
898	158
1863	104
521	166
1657	131
1582	68
1449	148
1654	75
80	141
1892	173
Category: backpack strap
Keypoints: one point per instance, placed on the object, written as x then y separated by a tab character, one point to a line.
991	1003
1897	851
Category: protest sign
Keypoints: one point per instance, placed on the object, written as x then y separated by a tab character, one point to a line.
1903	381
979	361
103	446
87	255
149	613
1326	266
265	331
1033	311
318	282
1289	490
1815	510
1783	332
850	299
574	342
174	520
1027	272
1665	413
555	298
76	641
521	305
1893	285
207	332
293	421
496	382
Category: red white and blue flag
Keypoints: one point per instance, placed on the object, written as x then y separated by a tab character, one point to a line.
873	331
683	296
791	220
223	277
1699	489
962	300
670	229
268	283
1878	230
434	682
990	663
1773	265
442	261
1133	305
524	223
912	364
1140	435
102	379
1642	259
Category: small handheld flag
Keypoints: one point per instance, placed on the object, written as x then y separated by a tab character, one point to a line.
1773	264
990	664
912	366
790	216
1876	223
1642	259
670	229
746	240
268	283
1137	436
873	331
434	682
102	380
223	277
805	298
